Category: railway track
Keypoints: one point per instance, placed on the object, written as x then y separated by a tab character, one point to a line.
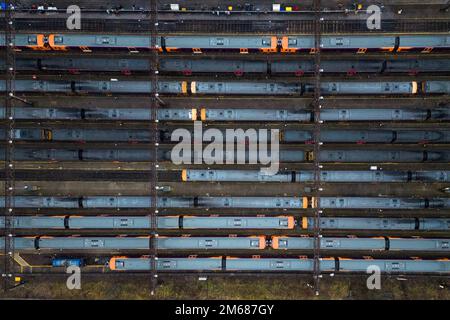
237	26
57	158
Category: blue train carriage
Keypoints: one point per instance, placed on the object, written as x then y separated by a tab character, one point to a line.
361	244
200	43
349	87
206	114
136	222
121	263
245	87
305	176
188	67
229	243
254	115
424	43
356	223
68	262
357	43
286	136
231	87
380	203
88	42
213	222
231	202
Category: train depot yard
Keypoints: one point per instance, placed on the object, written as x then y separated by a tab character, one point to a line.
200	145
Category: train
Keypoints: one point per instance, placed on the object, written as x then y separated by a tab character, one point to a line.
285	155
329	265
239	115
231	87
238	43
187	67
187	222
384	244
201	175
229	202
181	222
141	154
285	135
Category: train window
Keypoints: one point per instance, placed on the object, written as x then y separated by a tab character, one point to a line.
237	222
266	42
218	42
329	243
333	87
272	87
395	266
331	223
32	40
58	39
395	203
283	243
339	41
343	115
104	86
254	243
166	114
386	87
283	223
105	40
124	222
209	243
48	202
120	264
292	41
445	245
95	243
